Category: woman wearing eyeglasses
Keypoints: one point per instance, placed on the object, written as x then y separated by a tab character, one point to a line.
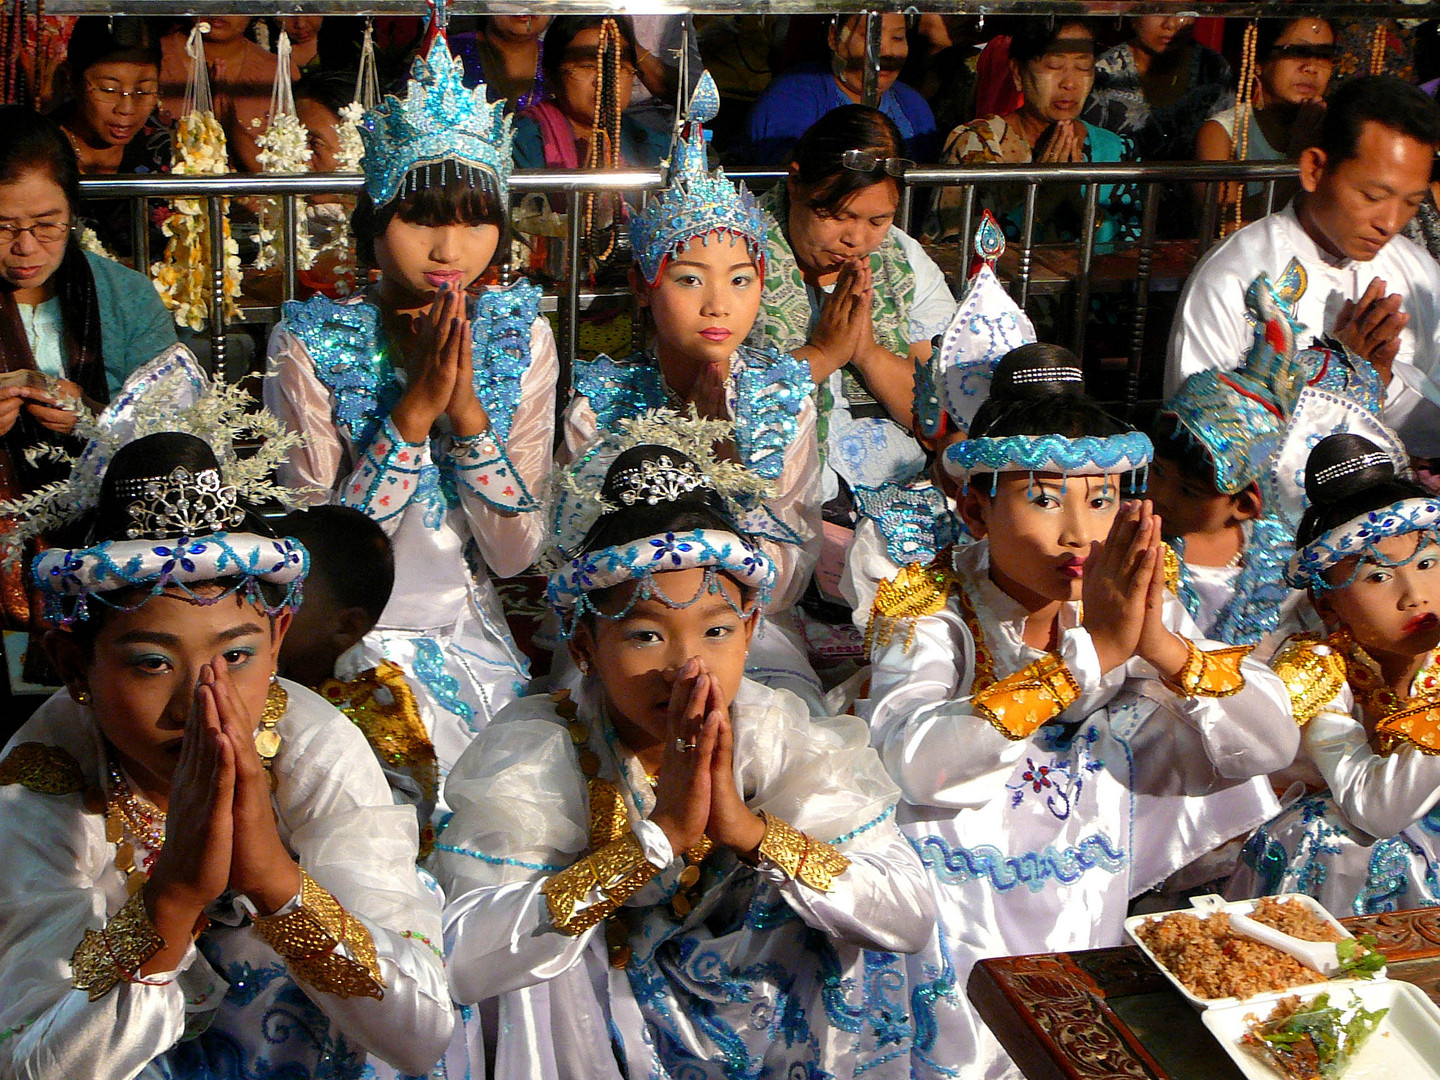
1295	59
72	325
113	71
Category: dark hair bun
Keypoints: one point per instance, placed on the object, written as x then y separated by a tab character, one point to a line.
155	457
1037	370
1341	465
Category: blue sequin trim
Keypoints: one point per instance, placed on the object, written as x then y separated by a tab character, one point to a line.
853	833
495	860
1259	590
1052	453
1034	869
501	332
443	687
618	390
771	388
914	519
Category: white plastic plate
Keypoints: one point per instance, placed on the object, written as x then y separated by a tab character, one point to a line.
1406	1045
1204	906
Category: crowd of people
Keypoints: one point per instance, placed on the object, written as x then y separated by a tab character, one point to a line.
408	724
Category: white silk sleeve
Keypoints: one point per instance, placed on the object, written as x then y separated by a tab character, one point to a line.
51	893
294	393
867	566
1379	794
505	517
579	428
521	815
1251	732
338	817
933	743
796	504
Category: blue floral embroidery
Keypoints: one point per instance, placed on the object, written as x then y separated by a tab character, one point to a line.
914	518
1032	869
617	391
443	688
1387	876
1059	781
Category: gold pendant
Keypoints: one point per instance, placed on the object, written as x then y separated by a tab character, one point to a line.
136	882
124	857
267	739
267	744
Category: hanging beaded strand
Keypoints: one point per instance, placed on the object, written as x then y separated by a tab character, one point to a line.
1244	94
1378	41
604	125
127	813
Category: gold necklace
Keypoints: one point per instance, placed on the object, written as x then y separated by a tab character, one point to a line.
129	814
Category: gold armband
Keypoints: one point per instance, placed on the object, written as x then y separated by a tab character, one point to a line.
1313	672
916	591
619	870
1213	673
802	857
307	940
1419	726
116	953
1036	694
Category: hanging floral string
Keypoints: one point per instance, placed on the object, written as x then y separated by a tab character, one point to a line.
1244	109
604	149
284	149
182	276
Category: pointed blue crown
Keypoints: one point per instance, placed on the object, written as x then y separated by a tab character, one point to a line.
1240	416
440	123
696	202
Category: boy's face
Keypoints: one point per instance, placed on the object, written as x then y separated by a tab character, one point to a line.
145	664
1041	530
1188	505
707	298
1390	610
638	657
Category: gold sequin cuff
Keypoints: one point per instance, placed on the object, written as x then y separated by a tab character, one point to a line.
118	952
803	858
1420	727
1210	673
1313	672
618	870
1036	694
308	940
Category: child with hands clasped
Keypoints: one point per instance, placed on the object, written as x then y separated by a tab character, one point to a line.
699	271
1368	695
206	865
431	414
1046	706
676	862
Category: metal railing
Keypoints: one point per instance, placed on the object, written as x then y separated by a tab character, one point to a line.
571	293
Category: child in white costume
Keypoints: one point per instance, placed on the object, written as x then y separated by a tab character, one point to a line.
699	271
272	922
431	413
1039	748
686	864
1369	841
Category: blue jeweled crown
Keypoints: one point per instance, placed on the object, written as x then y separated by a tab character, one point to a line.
1239	416
441	122
695	202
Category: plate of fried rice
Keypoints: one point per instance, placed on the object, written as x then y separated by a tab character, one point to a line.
1212	965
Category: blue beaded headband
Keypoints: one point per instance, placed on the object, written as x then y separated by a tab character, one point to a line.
1357	538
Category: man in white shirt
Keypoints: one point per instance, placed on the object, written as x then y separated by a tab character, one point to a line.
1373	290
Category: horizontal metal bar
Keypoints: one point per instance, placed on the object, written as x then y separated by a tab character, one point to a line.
1230	8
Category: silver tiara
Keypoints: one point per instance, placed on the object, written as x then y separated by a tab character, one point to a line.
659	480
180	504
1350	465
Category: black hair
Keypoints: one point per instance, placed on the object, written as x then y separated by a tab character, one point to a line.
332	89
563	29
1175	444
1022	402
452	204
35	143
349	552
818	153
1344	497
1270	31
1035	36
121	39
1381	99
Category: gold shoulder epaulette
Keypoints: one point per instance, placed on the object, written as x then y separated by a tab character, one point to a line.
44	769
1172	570
912	593
1313	672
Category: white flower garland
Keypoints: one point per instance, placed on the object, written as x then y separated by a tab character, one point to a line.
285	149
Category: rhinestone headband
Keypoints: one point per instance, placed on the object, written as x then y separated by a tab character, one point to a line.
1047	375
657	481
180	504
1349	467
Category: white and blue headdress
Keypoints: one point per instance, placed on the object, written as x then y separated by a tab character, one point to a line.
695	202
950	386
1240	416
1341	469
176	523
442	127
1020	380
661	461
